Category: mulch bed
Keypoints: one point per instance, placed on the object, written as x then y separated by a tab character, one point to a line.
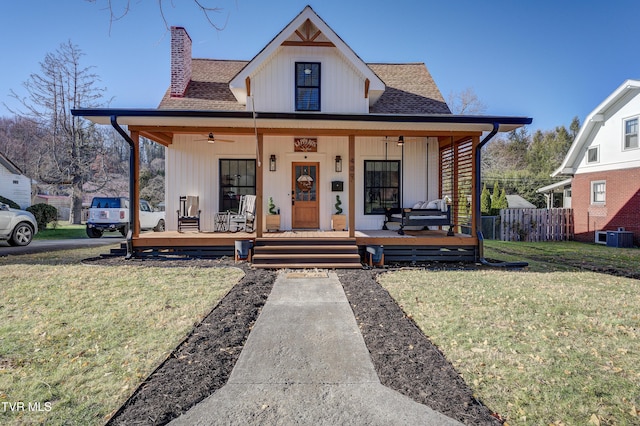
403	356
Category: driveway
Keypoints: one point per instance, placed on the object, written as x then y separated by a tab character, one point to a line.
39	246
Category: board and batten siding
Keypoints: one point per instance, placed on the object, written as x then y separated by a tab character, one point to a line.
194	168
419	173
342	87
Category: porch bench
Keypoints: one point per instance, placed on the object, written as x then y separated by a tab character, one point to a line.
430	215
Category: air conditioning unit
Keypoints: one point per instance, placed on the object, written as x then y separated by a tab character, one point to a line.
601	237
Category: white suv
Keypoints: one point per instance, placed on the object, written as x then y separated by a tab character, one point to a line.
17	227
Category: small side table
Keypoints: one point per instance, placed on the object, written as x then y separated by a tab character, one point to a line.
221	222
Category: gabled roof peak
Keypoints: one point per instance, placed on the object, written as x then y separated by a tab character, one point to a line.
306	29
592	123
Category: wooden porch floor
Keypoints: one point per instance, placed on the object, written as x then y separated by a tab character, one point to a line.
362	238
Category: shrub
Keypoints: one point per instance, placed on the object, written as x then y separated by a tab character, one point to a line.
44	214
272	206
338	205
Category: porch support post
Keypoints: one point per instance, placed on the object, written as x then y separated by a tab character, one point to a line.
352	186
259	185
134	203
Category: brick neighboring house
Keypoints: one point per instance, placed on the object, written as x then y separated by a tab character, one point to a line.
604	162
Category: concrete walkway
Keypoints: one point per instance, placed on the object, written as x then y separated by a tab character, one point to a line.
305	363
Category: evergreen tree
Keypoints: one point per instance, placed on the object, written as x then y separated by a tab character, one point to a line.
495	194
485	200
502	201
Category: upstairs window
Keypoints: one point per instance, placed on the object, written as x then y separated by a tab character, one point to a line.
631	133
593	155
307	86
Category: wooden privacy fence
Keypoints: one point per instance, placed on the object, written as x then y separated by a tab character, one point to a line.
536	224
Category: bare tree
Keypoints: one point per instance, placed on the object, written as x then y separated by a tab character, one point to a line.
118	12
68	145
466	102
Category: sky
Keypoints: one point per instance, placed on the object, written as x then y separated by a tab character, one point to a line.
546	59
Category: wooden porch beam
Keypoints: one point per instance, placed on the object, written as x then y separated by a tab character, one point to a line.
259	186
352	186
162	138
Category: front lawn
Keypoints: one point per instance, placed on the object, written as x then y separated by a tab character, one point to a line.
78	339
61	232
560	345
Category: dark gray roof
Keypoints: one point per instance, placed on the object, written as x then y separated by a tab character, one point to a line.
410	89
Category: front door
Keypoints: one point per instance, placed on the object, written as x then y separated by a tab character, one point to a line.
304	196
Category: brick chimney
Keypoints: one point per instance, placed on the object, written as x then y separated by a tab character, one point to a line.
180	61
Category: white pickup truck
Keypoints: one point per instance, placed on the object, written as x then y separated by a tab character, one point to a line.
112	214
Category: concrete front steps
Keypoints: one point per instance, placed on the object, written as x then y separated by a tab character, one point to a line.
303	253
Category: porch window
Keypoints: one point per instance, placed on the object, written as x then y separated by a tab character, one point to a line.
598	192
237	177
307	86
631	133
381	185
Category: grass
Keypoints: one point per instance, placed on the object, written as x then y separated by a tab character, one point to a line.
567	255
549	346
81	338
61	232
557	344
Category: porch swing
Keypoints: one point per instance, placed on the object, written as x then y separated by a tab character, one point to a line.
424	214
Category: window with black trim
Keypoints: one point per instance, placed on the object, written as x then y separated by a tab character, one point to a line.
381	185
237	177
307	86
631	133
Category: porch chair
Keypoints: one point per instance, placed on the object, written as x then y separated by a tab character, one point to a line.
244	219
189	213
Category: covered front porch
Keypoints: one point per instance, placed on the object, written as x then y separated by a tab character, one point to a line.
421	157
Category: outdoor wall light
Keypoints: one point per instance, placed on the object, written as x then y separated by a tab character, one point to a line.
338	164
400	140
272	163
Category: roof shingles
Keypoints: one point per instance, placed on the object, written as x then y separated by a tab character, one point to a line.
410	89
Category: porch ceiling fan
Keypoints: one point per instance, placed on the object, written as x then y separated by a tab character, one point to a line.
400	140
212	139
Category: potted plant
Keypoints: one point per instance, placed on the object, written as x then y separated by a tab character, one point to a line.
338	220
273	216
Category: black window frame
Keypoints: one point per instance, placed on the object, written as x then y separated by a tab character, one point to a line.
231	187
307	84
381	185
